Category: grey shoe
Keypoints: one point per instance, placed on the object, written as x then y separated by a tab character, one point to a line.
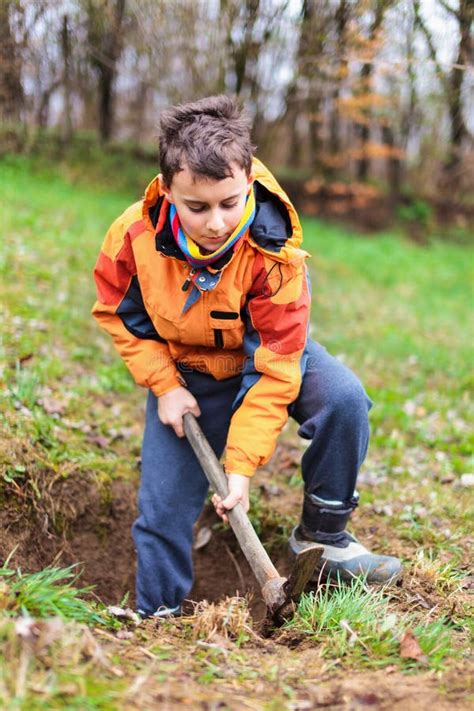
346	558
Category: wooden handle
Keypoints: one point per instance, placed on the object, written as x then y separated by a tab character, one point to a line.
258	559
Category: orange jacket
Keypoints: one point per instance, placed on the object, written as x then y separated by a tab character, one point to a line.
250	316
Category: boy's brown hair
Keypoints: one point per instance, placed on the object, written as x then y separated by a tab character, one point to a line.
208	136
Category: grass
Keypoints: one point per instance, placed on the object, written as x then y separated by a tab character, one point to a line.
54	362
358	624
395	312
48	593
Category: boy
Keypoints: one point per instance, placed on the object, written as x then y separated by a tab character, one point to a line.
204	289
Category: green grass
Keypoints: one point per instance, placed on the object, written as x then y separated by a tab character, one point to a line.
358	624
50	348
397	310
51	592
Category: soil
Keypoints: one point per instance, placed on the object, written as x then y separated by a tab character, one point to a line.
96	532
99	540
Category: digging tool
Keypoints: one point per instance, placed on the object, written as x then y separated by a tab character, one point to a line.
278	593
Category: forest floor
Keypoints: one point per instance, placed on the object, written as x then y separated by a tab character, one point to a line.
70	426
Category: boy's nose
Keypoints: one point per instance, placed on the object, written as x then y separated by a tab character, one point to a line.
215	223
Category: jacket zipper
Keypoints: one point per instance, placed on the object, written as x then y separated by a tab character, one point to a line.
188	280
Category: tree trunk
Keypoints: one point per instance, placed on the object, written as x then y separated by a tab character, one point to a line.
310	47
106	39
246	49
342	18
452	82
11	89
458	130
363	130
42	113
66	50
394	169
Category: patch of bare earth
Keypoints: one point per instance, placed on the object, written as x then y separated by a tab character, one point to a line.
76	520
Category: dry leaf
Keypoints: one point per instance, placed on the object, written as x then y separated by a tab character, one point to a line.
447	478
367	699
410	648
39	634
124	613
100	441
122	432
124	634
203	537
270	490
52	406
90	647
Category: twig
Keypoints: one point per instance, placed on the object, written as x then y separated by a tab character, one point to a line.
140	680
237	567
354	636
25	658
210	645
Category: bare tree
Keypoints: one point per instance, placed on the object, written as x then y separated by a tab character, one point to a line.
105	19
452	80
343	14
363	129
11	87
308	88
66	52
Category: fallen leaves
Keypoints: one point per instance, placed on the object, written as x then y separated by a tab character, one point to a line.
38	634
467	480
410	648
124	614
52	406
100	441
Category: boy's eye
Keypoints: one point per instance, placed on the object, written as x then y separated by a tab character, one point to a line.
202	208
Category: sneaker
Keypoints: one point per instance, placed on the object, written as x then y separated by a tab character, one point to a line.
346	558
162	612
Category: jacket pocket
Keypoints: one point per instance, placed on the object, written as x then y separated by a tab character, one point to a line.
218	338
227	328
225	315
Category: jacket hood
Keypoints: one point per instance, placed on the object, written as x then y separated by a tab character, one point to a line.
276	229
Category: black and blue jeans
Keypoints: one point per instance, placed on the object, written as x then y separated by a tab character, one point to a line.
332	411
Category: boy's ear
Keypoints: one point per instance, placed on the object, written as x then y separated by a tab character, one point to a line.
164	189
250	179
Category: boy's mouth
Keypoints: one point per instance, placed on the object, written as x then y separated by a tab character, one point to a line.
216	239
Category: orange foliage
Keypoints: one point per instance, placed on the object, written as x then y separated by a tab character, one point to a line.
376	151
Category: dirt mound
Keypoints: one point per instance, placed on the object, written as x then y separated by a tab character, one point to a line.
93	528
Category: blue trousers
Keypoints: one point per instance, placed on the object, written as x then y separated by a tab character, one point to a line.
332	411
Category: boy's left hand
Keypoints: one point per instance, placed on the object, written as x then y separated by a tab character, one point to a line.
239	486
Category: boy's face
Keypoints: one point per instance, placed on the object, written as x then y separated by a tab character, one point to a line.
209	210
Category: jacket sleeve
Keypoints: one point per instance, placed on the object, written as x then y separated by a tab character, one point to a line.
277	324
120	311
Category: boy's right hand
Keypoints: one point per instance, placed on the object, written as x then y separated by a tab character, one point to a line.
173	405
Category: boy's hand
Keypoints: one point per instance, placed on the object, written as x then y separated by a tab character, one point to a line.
173	405
239	486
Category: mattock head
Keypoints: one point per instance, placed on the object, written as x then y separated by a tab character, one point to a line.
274	594
280	594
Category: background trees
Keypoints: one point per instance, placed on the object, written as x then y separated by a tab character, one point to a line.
373	91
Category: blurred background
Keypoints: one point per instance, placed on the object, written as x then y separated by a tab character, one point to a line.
364	109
